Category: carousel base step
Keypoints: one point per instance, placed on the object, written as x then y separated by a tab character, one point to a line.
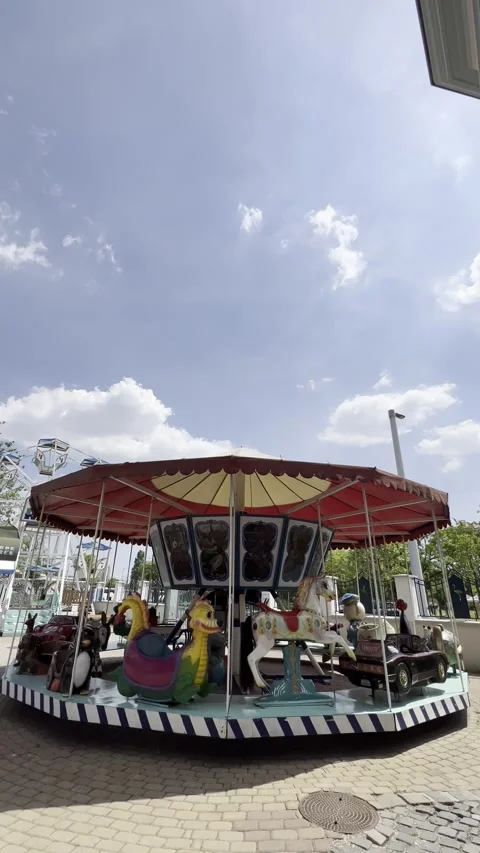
353	711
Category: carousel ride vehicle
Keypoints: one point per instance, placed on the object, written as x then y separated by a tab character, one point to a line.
410	663
233	530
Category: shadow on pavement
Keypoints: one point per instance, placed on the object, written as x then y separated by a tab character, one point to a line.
46	762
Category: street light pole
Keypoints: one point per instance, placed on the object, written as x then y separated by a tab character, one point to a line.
413	552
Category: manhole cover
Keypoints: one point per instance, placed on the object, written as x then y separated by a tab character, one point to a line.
338	812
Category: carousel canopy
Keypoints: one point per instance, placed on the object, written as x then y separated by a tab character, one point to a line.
134	492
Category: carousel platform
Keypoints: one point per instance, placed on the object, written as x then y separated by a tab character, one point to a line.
347	711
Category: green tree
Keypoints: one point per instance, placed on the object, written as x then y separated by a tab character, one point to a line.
461	551
142	571
348	565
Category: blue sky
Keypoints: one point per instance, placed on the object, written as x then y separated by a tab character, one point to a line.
225	222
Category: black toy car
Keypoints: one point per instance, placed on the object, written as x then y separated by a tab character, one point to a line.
410	663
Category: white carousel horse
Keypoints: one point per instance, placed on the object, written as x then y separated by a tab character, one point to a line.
305	622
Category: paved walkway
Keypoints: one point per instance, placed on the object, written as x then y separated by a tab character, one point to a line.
69	788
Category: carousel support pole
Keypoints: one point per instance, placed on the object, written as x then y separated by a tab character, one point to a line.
231	589
448	597
84	601
146	547
377	596
64	569
129	569
110	579
77	561
356	571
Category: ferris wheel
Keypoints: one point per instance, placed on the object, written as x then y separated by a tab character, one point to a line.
48	456
20	470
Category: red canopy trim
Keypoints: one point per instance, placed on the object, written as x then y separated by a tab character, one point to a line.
400	509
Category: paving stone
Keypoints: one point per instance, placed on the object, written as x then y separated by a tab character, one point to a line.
426	835
443	798
416	799
388	801
385	829
405	821
423	825
471	848
447	832
375	837
450	844
429	846
404	838
360	841
397	845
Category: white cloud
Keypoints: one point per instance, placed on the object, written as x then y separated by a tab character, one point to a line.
461	166
56	191
453	443
461	289
350	263
252	218
284	244
328	379
310	385
42	135
362	420
104	252
125	422
14	254
3	112
10	99
68	241
384	381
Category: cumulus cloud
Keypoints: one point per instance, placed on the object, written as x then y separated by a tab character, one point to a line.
461	289
251	218
453	443
384	381
362	421
123	422
14	253
68	241
350	263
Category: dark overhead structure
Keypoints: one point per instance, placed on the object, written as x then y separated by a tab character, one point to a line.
451	36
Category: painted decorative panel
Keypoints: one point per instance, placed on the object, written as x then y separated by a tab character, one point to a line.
322	548
260	540
178	552
211	543
299	544
159	554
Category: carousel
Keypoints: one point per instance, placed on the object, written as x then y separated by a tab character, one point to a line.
260	652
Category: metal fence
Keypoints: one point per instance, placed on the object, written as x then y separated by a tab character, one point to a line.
430	596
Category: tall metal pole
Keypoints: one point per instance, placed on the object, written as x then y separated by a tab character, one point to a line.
84	601
413	553
377	597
